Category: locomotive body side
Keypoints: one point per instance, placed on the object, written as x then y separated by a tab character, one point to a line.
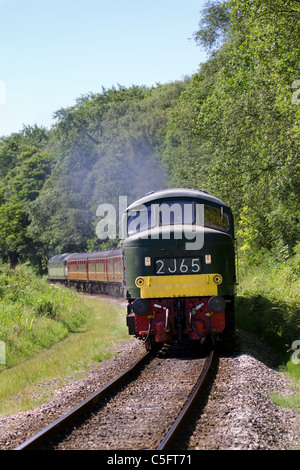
57	267
175	288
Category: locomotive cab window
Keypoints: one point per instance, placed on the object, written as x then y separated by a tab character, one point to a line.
176	213
216	217
138	220
173	212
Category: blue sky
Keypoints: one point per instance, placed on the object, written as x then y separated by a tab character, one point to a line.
54	51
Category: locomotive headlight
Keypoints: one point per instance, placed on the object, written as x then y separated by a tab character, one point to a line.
140	307
217	304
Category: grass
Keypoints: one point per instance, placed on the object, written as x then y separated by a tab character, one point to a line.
268	305
34	314
32	381
47	333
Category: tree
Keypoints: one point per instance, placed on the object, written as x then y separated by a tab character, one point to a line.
21	185
214	25
235	130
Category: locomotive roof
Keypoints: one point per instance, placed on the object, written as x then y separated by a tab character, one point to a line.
177	193
59	258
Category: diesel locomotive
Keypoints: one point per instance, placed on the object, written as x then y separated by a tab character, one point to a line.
176	267
179	258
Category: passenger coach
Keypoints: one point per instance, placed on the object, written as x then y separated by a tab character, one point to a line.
95	272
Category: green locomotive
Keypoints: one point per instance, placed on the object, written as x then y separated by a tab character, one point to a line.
179	266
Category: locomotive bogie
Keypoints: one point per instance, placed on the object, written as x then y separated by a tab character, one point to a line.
191	318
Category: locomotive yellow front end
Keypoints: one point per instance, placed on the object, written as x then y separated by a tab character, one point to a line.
179	266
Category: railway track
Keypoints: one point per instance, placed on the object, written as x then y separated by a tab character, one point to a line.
154	386
171	436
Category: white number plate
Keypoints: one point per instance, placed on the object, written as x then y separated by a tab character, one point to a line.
178	266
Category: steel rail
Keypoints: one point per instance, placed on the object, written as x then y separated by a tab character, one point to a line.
35	442
172	434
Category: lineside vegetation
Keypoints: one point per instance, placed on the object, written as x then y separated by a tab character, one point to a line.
34	314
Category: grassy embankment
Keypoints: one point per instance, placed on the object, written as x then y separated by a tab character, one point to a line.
49	333
268	304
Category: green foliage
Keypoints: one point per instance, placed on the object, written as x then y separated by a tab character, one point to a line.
75	355
235	130
33	314
268	301
214	25
20	185
12	146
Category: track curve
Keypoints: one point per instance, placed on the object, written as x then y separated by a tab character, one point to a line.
147	413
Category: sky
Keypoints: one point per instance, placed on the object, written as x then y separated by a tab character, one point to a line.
54	51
